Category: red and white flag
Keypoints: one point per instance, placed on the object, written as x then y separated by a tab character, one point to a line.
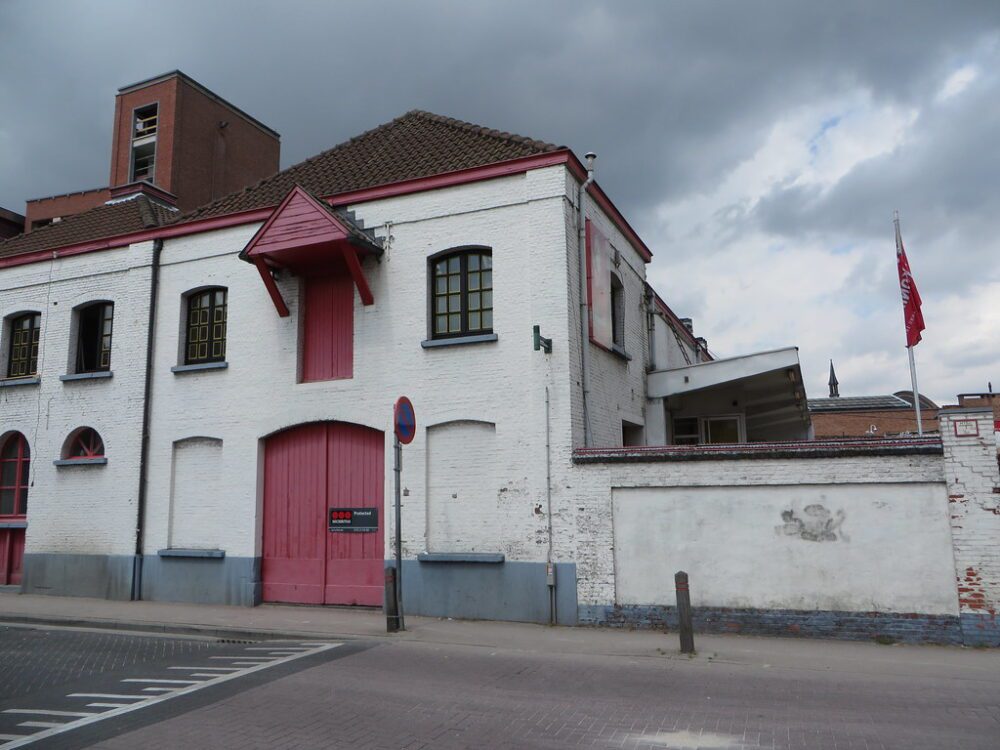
912	315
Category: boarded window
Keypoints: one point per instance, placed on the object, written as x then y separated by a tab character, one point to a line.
328	327
462	513
197	505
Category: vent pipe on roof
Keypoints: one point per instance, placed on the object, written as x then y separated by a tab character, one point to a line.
590	156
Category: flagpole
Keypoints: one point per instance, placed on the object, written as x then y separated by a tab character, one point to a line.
909	349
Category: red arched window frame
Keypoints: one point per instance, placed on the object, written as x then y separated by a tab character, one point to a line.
84	443
15	465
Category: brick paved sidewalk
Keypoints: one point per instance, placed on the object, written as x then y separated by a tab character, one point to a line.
272	620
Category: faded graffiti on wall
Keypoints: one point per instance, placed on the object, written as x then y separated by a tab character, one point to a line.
816	524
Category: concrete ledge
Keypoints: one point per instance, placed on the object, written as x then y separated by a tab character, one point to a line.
930	446
13	524
460	557
87	376
99	461
459	340
14	382
180	369
179	552
905	627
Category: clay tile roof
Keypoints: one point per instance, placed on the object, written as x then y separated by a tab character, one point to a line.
858	403
417	144
97	223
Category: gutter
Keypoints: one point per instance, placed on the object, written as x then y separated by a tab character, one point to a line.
147	397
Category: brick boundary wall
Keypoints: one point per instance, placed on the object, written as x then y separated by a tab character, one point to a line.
852	626
973	477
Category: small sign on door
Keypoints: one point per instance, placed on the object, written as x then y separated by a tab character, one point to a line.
357	520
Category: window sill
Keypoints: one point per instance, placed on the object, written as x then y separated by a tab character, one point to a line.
481	338
80	461
14	382
619	352
181	369
87	375
13	524
461	557
214	554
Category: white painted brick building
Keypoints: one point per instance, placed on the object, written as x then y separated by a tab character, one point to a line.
249	452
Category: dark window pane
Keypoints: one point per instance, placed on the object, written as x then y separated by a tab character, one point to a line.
206	329
454	264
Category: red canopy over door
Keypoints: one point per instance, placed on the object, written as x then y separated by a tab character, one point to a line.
308	470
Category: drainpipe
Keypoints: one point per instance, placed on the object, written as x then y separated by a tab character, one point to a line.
147	397
584	312
650	329
550	568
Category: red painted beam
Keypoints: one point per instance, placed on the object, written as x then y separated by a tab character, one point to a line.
354	266
272	288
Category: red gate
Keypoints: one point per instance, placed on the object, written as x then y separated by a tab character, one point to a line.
307	471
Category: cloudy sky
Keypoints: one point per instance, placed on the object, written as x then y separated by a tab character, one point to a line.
758	147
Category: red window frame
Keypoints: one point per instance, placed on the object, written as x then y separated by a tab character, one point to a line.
83	444
14	451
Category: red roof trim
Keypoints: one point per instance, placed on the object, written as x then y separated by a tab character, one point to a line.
416	185
297	190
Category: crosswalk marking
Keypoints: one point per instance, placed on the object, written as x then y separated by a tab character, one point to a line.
163	682
240	666
105	695
46	712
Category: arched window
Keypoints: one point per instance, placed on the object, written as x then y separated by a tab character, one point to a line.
462	293
25	331
206	326
93	339
83	443
15	462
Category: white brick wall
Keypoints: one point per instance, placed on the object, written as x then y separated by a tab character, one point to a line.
970	466
81	509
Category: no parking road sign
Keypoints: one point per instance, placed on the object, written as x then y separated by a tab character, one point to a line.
404	420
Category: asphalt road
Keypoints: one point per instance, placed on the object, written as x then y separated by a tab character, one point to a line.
398	694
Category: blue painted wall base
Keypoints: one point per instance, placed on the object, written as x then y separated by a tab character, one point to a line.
858	626
511	591
981	629
202	580
95	576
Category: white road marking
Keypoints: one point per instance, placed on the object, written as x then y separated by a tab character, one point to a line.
251	663
157	690
105	695
283	649
12	736
162	682
220	669
244	658
46	712
43	724
205	674
54	729
106	705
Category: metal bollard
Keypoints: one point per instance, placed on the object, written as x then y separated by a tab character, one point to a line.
391	613
684	624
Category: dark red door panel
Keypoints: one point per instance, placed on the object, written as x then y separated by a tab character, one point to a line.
308	470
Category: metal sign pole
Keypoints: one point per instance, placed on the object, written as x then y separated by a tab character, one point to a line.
399	535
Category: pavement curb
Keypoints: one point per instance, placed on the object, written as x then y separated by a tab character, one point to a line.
225	633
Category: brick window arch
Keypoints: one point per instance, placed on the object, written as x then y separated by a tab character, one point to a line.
205	325
461	292
15	466
83	443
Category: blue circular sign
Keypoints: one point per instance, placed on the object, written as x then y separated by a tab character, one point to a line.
405	420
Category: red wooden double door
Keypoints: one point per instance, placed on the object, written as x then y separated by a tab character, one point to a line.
307	471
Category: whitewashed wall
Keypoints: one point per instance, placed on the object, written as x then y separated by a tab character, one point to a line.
521	218
850	547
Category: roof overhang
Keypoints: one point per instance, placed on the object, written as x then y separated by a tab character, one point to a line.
306	237
770	384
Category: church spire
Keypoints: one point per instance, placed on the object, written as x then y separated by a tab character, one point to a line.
834	383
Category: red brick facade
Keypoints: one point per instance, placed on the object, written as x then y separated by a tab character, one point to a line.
886	422
61	206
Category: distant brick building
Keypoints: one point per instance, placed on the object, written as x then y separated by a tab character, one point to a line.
10	223
172	132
